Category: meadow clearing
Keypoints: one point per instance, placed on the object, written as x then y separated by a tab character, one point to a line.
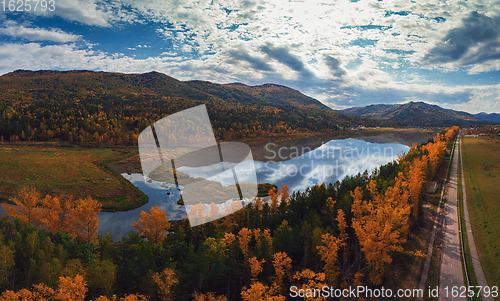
56	170
481	156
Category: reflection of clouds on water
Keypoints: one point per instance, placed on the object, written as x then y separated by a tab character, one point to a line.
120	223
136	177
328	163
222	207
245	170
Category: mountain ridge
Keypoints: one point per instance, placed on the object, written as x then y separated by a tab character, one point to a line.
493	117
96	106
415	114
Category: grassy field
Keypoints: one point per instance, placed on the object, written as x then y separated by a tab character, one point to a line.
481	157
80	172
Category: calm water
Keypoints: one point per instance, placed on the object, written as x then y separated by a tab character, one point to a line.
328	163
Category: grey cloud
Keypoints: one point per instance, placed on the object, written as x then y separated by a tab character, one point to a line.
283	55
248	4
256	63
490	51
476	41
334	65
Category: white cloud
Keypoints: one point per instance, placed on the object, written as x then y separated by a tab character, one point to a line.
37	34
88	12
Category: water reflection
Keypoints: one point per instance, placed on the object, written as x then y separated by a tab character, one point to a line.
328	163
120	223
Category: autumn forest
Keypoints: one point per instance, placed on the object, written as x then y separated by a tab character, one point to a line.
347	233
98	107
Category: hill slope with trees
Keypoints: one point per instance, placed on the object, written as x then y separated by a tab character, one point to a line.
87	106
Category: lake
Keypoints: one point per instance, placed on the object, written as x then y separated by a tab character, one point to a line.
303	168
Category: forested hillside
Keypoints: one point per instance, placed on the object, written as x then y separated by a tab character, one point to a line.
86	106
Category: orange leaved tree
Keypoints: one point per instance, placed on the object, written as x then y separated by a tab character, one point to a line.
165	281
381	224
153	225
70	289
56	213
83	219
26	207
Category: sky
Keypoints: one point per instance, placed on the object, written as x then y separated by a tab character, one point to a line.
343	53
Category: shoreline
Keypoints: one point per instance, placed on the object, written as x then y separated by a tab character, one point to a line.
127	161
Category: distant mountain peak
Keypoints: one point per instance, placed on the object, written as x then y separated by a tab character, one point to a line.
492	117
415	113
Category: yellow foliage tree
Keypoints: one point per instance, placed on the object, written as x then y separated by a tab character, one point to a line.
70	289
153	225
214	212
244	237
255	267
381	224
165	281
282	268
416	180
309	281
277	196
273	195
328	252
83	219
26	207
259	291
208	297
55	214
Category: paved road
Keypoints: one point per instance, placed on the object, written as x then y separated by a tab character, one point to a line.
436	227
451	259
481	280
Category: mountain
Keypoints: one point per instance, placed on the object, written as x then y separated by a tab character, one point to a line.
88	106
371	111
493	117
277	95
415	114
